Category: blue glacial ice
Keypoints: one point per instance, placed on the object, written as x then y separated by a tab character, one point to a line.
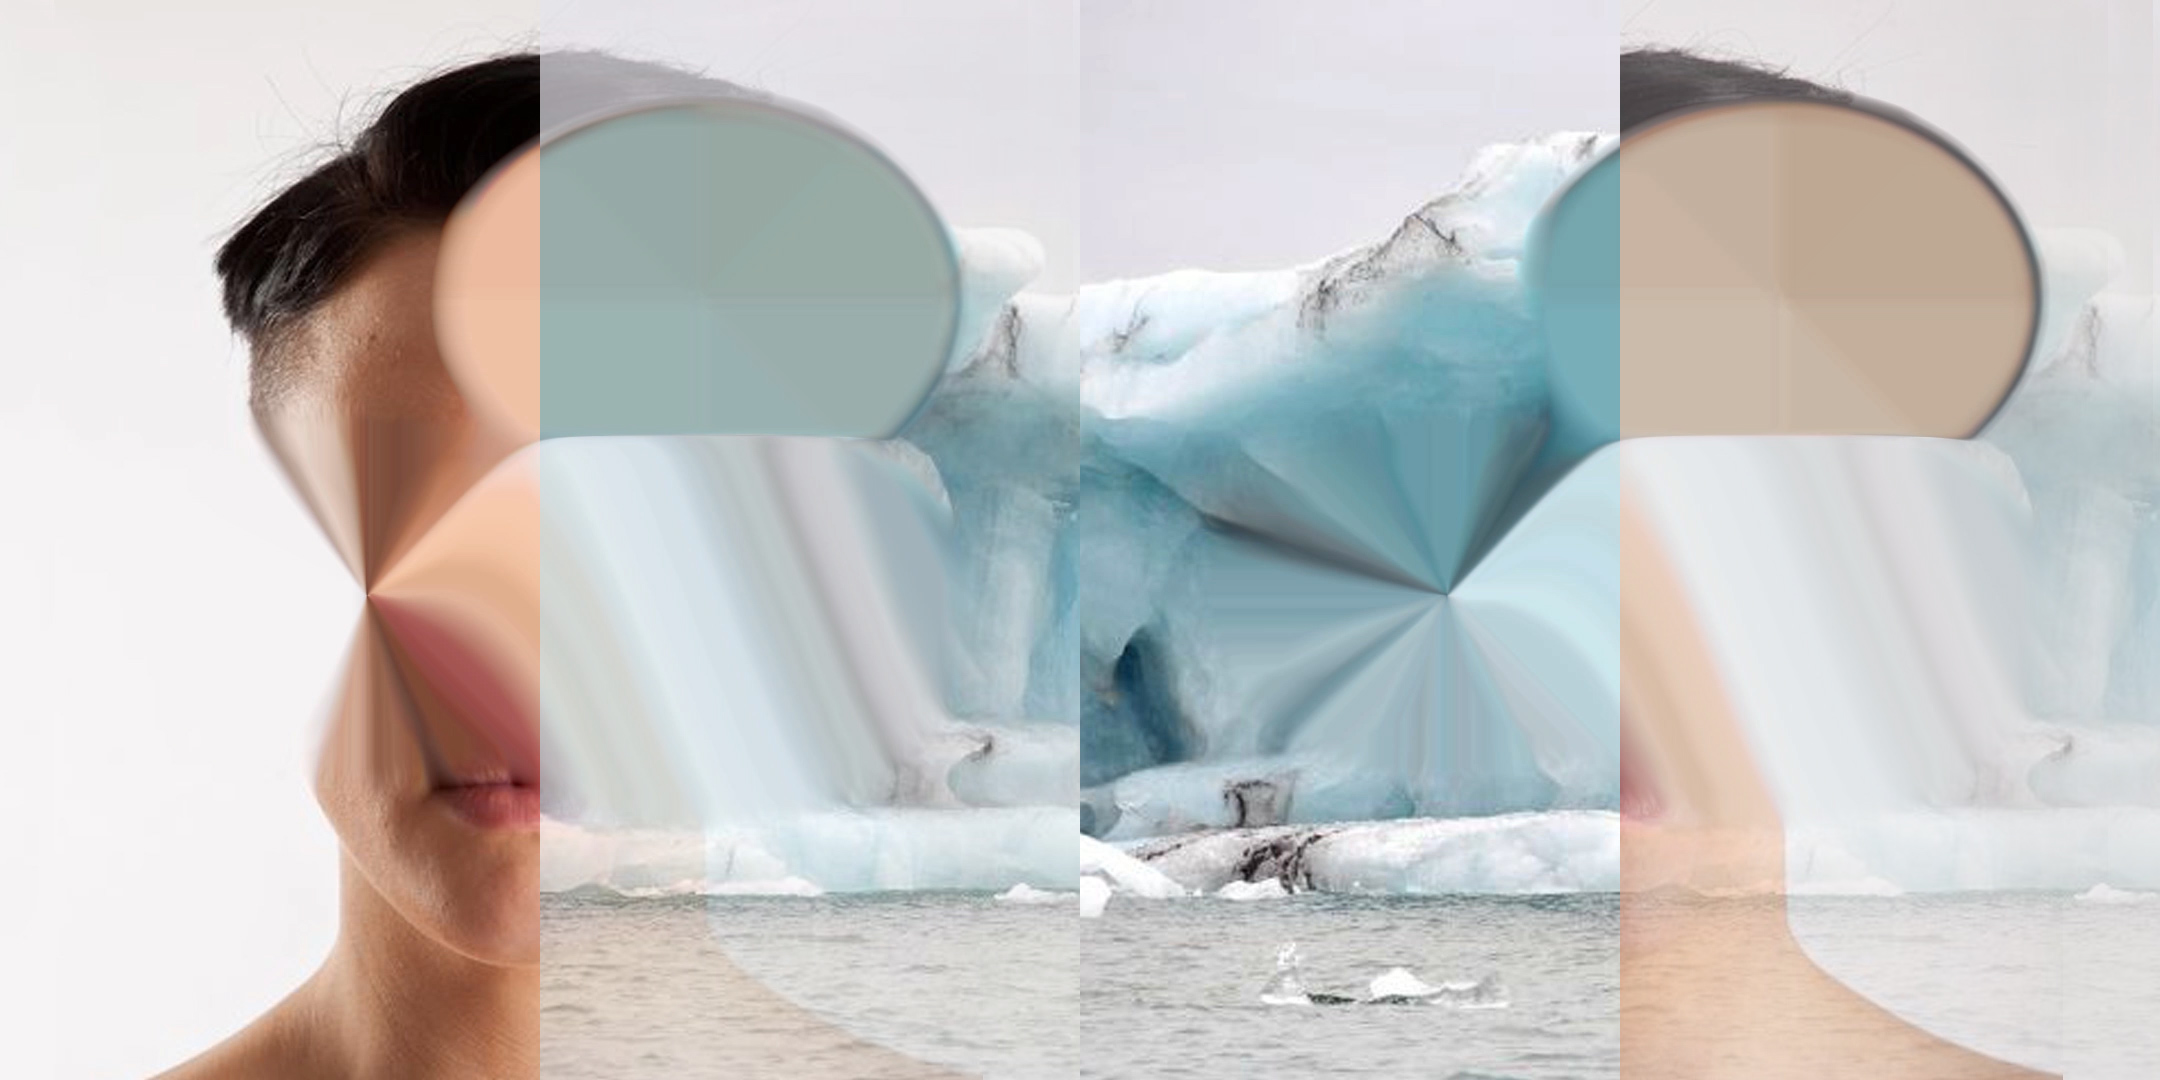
1228	558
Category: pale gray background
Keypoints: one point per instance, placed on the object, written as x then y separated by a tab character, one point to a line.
170	621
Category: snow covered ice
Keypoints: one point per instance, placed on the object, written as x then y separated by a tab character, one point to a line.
1234	561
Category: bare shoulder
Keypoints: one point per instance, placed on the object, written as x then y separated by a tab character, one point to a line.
274	1045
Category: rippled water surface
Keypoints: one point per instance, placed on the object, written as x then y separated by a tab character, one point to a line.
932	985
1173	989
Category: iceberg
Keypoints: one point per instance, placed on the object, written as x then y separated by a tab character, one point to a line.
1289	545
1103	863
1299	574
1528	853
1268	889
1398	986
1094	896
1024	893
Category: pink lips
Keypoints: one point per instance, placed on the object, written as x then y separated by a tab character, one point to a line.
482	685
495	804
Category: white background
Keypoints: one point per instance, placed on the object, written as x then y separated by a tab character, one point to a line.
169	619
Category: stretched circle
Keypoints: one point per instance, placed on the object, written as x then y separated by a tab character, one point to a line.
1783	267
709	267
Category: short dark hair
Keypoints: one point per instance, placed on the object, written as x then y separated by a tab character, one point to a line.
439	138
1656	82
430	146
433	143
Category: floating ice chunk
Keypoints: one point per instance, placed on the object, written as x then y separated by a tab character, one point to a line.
1400	986
1025	893
1286	986
2104	893
1270	889
787	886
685	887
1128	873
1399	982
1094	896
1560	851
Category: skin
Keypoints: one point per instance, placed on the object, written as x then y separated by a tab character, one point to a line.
1712	982
435	971
433	506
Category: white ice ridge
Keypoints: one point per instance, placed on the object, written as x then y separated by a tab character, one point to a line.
2108	894
1532	853
1395	986
1024	893
1252	524
1102	862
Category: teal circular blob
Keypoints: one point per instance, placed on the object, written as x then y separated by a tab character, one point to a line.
734	267
1572	269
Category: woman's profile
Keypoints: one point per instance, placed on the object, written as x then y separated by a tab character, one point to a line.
429	766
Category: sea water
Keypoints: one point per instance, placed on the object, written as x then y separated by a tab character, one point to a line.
870	987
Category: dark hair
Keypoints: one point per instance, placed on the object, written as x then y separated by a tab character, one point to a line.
433	143
1658	82
440	137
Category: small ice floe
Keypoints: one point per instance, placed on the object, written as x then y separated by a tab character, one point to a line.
1094	896
2105	893
1129	874
1270	889
1286	988
687	887
787	886
1398	986
1025	893
1400	983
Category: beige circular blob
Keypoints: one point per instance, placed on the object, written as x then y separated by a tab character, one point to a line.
487	296
1805	268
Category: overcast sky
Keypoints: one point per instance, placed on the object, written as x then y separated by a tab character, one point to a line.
1134	137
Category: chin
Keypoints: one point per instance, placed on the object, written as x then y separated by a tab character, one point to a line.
488	903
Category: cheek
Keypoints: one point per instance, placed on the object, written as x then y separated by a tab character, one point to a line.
476	892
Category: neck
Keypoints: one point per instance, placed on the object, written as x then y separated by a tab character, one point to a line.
391	1001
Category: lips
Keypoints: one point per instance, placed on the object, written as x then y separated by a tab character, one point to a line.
475	676
492	804
460	614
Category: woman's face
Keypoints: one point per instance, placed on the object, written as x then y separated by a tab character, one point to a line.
429	770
